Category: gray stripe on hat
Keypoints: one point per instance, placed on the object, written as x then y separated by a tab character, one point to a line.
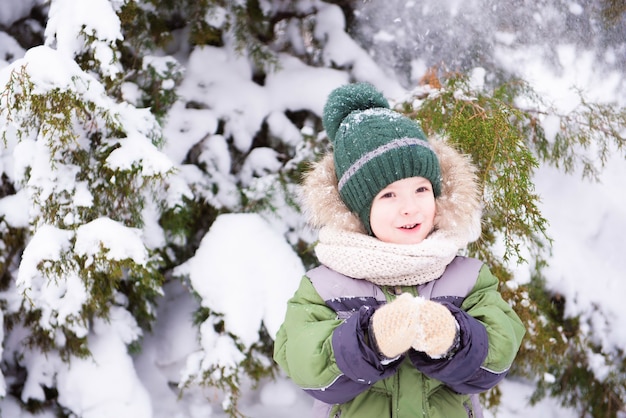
396	143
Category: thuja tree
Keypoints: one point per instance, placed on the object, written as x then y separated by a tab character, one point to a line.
87	176
507	143
78	176
86	141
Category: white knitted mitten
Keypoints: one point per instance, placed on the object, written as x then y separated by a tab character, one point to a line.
437	328
395	325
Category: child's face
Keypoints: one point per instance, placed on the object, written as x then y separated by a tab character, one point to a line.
404	211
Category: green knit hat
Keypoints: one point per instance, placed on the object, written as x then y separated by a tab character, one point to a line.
373	146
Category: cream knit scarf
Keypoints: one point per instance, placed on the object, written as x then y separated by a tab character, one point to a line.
364	257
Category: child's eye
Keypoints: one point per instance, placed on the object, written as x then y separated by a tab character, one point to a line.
386	195
421	189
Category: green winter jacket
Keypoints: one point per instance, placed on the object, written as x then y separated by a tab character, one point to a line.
413	386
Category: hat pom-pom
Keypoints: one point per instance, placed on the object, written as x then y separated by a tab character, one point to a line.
346	99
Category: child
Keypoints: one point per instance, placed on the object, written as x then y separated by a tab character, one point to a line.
393	323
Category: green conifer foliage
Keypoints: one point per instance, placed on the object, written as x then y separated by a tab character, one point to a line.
507	143
79	136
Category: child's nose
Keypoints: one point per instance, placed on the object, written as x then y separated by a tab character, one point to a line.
409	206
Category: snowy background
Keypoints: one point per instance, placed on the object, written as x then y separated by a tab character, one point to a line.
587	220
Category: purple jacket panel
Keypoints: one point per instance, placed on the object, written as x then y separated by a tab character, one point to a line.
360	365
342	390
463	372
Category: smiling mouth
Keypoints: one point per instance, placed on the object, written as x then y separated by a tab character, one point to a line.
412	226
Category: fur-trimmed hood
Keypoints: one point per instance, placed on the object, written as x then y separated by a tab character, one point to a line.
459	206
